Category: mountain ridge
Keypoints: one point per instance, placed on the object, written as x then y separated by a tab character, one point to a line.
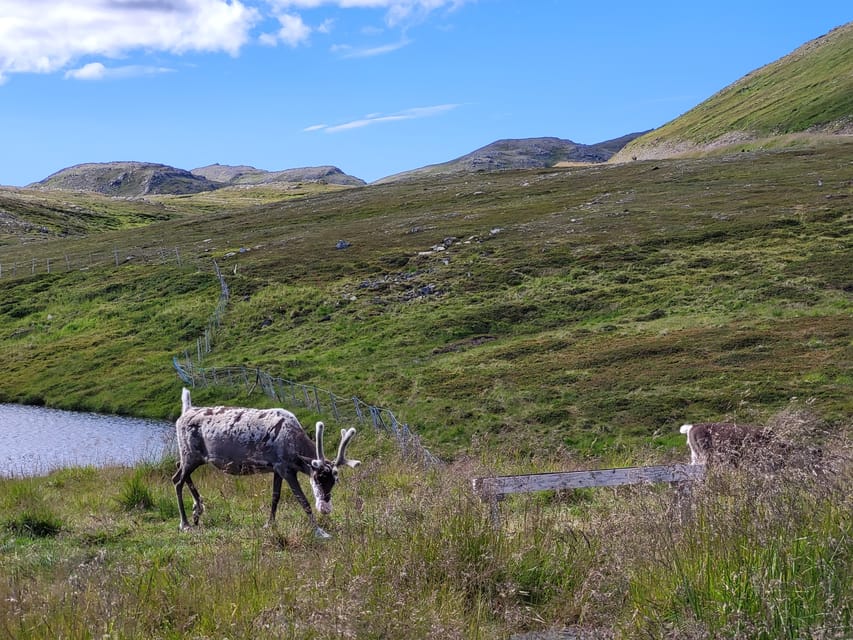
132	179
521	153
248	175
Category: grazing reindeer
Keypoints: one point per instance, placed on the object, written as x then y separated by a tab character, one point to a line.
724	442
245	441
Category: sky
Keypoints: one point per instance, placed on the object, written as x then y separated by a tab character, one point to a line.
374	87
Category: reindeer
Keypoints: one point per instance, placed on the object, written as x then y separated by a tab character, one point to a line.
242	441
724	442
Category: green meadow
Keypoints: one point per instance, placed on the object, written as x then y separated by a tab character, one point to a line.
517	321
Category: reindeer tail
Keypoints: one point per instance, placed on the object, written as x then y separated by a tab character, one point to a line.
186	405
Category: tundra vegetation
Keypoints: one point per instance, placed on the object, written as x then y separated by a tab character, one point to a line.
91	553
519	321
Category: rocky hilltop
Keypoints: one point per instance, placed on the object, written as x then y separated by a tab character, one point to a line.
522	153
246	175
125	179
135	179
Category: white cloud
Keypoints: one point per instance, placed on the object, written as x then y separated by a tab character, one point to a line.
378	118
97	71
91	71
42	36
293	31
46	36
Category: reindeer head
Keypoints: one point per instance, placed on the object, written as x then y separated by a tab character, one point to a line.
324	473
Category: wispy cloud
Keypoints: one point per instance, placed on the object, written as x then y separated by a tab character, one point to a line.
348	51
379	118
97	71
293	31
397	12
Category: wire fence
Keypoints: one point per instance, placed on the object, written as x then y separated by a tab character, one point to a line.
189	365
345	410
14	266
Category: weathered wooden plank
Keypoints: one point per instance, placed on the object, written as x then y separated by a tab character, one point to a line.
502	485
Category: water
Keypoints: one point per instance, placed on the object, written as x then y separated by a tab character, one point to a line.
36	440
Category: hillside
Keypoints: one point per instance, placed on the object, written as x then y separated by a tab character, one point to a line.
138	179
807	93
524	153
125	179
31	215
590	308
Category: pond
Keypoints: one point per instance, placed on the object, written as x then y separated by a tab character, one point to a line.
37	440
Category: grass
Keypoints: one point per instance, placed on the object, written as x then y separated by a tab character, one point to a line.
801	93
584	308
414	555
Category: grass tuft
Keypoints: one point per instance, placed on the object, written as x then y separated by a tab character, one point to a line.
135	493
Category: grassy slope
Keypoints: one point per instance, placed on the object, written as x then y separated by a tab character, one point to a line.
43	214
811	87
40	215
592	308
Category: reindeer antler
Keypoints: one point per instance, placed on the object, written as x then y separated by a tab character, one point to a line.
319	441
346	436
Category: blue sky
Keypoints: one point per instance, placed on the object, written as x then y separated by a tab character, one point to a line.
374	87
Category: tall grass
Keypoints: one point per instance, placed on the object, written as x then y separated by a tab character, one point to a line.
766	551
742	554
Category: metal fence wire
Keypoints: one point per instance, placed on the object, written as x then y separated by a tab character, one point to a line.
346	410
189	365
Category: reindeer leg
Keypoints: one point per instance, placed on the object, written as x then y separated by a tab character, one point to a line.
198	505
181	477
276	495
306	506
178	480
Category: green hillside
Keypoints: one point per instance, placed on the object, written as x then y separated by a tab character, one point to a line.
594	309
30	215
809	90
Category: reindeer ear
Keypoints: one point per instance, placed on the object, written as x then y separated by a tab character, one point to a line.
317	464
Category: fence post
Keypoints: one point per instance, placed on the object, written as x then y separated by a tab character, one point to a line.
334	407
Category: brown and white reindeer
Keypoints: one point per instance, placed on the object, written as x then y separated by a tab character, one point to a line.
725	442
242	441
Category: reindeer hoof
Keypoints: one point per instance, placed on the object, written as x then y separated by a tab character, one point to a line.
319	533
